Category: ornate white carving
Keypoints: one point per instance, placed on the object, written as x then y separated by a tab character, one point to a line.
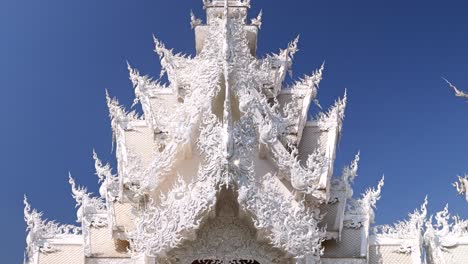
88	206
334	117
410	228
443	234
409	231
227	111
462	185
39	231
341	189
227	239
258	20
457	92
92	212
160	229
220	3
109	189
360	211
120	118
278	215
194	22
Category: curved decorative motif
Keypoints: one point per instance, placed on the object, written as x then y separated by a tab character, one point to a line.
159	229
462	186
39	231
457	92
335	116
211	244
341	189
410	228
410	232
362	210
444	234
109	189
226	107
88	206
289	225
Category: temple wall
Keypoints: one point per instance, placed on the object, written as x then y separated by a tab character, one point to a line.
167	101
388	254
330	218
343	261
312	138
112	261
348	247
456	255
103	245
124	215
69	254
140	143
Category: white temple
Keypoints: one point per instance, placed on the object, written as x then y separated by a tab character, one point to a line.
225	167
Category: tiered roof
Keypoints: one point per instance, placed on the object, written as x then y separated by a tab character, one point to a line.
223	143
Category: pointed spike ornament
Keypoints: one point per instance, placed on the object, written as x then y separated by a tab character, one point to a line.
120	119
166	58
335	115
349	173
292	47
373	194
457	92
78	193
109	188
194	22
258	20
102	171
39	231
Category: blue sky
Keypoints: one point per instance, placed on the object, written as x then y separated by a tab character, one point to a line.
57	57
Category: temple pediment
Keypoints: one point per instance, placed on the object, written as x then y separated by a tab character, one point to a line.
224	165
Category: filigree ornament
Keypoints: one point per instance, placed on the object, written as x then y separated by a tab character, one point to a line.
87	205
278	215
226	239
194	22
39	231
92	212
258	20
443	234
334	117
410	232
362	210
109	189
462	185
224	107
457	92
407	229
341	188
158	229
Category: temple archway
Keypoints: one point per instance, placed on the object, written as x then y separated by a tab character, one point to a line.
227	238
217	261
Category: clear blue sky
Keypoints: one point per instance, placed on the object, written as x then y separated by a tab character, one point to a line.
57	57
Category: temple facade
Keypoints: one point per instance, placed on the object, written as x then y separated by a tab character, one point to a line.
224	166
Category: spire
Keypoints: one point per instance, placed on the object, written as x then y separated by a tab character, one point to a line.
215	9
231	3
227	119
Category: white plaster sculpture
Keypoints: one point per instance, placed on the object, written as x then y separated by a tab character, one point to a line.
461	185
222	166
